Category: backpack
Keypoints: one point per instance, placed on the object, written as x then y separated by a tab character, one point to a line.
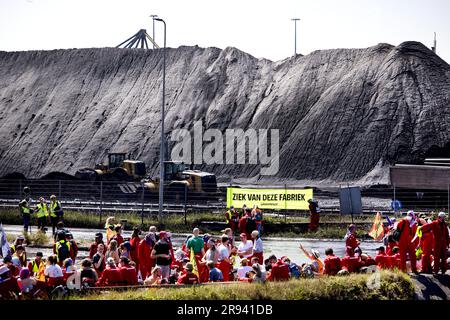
63	251
293	269
397	233
250	226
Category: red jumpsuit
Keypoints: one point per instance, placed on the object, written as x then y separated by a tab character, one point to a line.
351	264
427	244
332	265
134	252
351	243
110	277
406	248
441	242
225	267
382	261
145	262
389	248
279	272
129	276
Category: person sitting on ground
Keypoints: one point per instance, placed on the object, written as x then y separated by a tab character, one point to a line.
13	270
351	243
99	260
316	262
332	263
243	269
17	265
5	274
88	276
129	275
215	274
68	265
125	249
113	251
36	265
381	258
259	276
294	269
26	282
394	259
352	264
21	255
189	277
53	272
111	276
366	260
279	271
93	247
391	243
156	277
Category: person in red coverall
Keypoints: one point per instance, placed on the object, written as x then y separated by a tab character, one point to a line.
128	272
441	242
145	248
406	248
134	243
242	224
381	259
279	271
188	277
394	259
94	245
351	243
111	276
332	263
351	264
426	243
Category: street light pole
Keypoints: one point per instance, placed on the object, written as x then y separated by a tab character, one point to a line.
161	149
295	35
153	16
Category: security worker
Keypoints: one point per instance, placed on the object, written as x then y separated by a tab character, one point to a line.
25	211
56	212
41	213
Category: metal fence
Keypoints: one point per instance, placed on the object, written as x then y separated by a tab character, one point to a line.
134	197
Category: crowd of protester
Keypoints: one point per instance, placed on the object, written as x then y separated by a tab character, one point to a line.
149	258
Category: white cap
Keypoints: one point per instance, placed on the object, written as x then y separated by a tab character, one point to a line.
442	215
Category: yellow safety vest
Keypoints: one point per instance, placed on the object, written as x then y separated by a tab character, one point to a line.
35	267
42	210
25	209
53	206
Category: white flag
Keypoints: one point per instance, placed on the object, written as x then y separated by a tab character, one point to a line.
3	242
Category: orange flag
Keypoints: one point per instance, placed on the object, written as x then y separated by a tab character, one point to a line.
377	231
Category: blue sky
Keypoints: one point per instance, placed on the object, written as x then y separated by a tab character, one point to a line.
262	28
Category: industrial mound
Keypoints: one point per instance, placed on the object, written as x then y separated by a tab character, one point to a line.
343	114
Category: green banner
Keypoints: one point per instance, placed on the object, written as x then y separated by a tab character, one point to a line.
290	199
